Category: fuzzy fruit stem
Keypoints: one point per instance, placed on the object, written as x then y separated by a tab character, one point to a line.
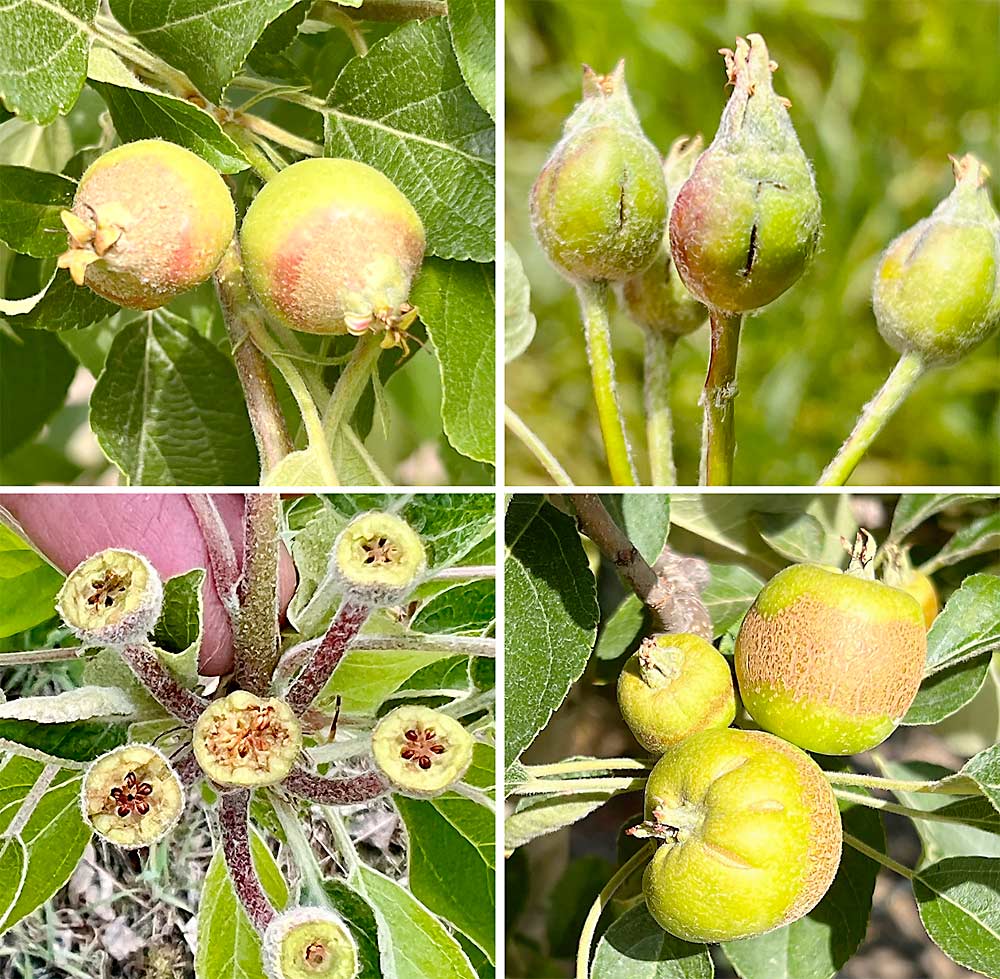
718	441
659	425
256	638
886	806
594	915
580	786
593	298
242	319
186	706
32	656
874	416
960	785
393	10
256	157
221	556
335	791
305	688
233	820
515	424
188	770
588	765
879	857
350	386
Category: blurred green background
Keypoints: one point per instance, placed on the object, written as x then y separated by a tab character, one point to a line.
882	91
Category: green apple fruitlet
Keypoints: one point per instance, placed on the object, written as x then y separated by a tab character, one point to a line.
673	687
599	206
746	222
828	660
150	220
751	836
332	246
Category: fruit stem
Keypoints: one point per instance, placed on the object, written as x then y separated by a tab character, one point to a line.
32	656
188	770
234	823
718	440
262	127
339	18
515	424
894	807
954	785
256	157
580	786
351	385
588	765
478	796
346	624
659	425
874	416
607	893
186	706
256	636
303	855
221	556
879	857
465	572
335	791
593	298
239	311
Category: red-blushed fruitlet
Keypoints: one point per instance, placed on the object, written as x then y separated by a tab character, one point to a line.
830	660
332	246
751	836
150	220
673	687
745	224
937	287
599	206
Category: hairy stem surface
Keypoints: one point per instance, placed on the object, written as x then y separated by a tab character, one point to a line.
221	554
879	857
186	706
718	441
349	791
351	385
516	426
593	298
874	417
234	821
659	424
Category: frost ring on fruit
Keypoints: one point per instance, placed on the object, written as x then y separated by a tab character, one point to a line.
132	796
150	220
113	597
332	246
245	740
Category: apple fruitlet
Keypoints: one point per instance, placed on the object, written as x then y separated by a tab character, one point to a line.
150	220
751	836
829	660
331	247
673	687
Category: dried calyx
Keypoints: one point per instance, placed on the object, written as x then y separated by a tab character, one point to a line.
132	796
245	740
112	598
310	943
599	205
379	558
747	221
422	752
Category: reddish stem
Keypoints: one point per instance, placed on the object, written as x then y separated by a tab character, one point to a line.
221	555
186	706
335	791
350	617
233	819
188	770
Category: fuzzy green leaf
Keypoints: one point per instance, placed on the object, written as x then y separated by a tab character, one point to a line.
30	202
473	35
28	585
636	947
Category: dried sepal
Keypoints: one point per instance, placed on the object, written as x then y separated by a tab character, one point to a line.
245	740
422	752
379	558
112	598
310	943
132	796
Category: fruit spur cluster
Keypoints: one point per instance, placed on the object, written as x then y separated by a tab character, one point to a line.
257	740
745	824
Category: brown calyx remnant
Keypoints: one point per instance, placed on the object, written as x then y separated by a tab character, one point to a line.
132	796
316	955
92	235
422	746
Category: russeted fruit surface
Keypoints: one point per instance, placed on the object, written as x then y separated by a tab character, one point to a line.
937	287
599	205
672	687
150	220
332	246
751	836
830	661
746	222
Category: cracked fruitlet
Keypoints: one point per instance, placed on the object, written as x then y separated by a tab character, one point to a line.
657	298
422	752
132	796
830	660
379	557
673	687
937	287
310	943
751	836
746	223
150	220
112	598
245	740
599	206
332	246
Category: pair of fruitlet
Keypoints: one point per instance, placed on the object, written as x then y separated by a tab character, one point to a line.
329	246
132	796
735	226
749	830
